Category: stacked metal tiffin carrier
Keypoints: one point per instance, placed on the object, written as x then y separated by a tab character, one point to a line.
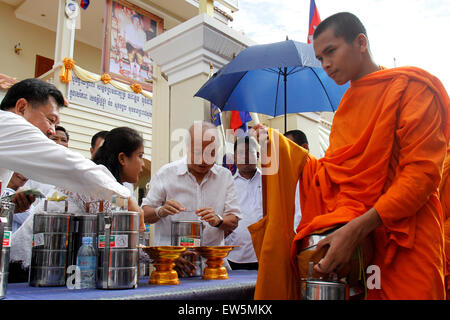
58	236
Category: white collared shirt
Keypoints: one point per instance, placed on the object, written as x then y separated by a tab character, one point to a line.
174	181
249	194
25	149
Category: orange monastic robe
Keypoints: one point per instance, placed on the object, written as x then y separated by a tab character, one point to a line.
444	189
387	147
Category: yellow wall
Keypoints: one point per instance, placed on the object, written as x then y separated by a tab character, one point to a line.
35	40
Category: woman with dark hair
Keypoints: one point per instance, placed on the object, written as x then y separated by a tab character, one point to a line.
122	153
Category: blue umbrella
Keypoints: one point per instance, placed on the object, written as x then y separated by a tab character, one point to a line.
256	80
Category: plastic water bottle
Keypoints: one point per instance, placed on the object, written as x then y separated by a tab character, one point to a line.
87	262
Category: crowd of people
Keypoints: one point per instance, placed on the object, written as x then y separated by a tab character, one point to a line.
382	180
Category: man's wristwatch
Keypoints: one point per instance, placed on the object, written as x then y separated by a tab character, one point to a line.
220	222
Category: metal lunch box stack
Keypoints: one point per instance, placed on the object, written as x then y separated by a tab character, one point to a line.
52	234
6	216
118	257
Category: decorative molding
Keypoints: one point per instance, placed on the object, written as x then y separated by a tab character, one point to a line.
187	49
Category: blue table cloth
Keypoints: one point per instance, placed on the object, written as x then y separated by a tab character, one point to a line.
239	286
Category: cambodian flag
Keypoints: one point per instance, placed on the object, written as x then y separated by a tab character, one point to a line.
239	120
314	20
84	4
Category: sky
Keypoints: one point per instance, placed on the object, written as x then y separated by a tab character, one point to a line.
413	32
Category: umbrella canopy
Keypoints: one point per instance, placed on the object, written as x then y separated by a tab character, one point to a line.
274	79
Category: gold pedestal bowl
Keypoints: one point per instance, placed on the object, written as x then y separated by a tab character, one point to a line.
214	260
164	260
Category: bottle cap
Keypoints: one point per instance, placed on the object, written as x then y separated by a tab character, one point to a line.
86	240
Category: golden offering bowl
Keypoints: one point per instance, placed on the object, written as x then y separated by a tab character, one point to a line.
164	260
214	260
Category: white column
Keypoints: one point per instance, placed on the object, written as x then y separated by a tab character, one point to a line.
65	39
184	54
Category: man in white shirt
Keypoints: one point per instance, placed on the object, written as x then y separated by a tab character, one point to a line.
97	141
29	113
249	191
193	188
299	137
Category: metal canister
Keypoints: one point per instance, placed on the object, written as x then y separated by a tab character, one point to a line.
6	216
319	289
324	290
117	264
50	255
188	234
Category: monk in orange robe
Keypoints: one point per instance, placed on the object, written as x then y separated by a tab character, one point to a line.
379	177
444	189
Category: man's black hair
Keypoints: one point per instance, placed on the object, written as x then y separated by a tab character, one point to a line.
61	128
35	91
345	25
100	134
298	135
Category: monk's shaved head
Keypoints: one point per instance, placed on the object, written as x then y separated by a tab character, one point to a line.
345	25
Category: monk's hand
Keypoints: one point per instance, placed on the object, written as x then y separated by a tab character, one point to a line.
208	215
170	207
22	201
341	244
344	240
260	133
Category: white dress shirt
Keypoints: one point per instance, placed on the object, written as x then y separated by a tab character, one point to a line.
249	193
174	181
25	149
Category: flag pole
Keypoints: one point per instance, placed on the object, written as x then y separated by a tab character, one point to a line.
222	132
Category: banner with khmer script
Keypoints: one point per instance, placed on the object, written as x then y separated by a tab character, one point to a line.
104	97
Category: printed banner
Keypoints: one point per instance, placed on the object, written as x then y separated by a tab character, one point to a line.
104	97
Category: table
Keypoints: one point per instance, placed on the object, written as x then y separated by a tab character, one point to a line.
239	286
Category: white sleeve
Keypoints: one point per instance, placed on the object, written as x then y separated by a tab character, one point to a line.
231	201
156	196
25	149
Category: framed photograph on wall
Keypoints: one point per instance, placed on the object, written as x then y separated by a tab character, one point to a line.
127	29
